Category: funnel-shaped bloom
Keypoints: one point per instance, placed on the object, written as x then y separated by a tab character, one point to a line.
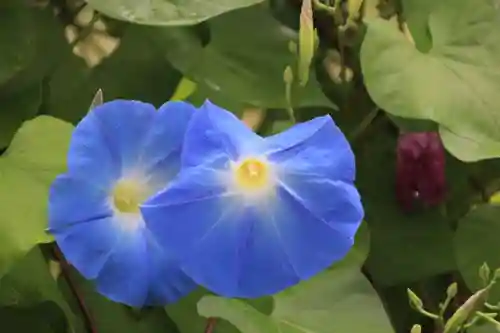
121	153
250	216
420	170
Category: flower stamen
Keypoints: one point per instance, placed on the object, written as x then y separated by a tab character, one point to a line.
252	174
127	196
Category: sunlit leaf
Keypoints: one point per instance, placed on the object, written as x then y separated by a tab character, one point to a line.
184	313
35	157
455	84
167	12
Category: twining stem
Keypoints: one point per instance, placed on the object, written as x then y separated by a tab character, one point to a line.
211	323
321	6
289	108
66	273
487	318
364	124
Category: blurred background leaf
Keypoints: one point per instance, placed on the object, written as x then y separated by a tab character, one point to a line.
476	242
242	63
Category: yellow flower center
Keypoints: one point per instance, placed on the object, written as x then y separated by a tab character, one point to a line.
128	196
252	174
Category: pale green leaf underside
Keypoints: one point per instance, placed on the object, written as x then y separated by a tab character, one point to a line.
167	12
455	84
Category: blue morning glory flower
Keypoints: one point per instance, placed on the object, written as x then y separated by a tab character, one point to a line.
120	154
249	216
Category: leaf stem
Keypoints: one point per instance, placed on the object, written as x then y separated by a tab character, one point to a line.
367	120
211	323
66	273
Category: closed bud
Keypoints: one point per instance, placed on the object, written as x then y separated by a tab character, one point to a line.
496	274
416	329
420	170
466	311
485	273
415	301
495	198
452	290
288	75
354	8
307	41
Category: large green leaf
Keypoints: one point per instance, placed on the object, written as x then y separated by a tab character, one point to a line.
338	300
416	13
35	157
167	12
455	84
17	32
184	313
187	319
15	108
244	62
29	282
38	44
30	39
477	242
44	317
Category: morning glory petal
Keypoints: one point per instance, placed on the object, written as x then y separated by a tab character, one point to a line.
336	202
197	240
161	151
66	195
317	231
163	267
268	214
314	147
123	274
209	188
76	216
121	153
109	138
214	131
236	250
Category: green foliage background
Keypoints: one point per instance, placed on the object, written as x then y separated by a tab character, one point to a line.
442	75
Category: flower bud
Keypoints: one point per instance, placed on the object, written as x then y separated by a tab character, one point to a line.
485	273
452	290
415	301
307	39
416	329
420	170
